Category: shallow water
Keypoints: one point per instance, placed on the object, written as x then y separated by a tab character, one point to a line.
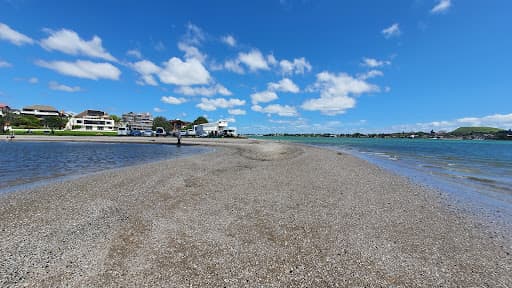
22	163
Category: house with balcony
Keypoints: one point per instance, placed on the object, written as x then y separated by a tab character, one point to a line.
91	120
40	111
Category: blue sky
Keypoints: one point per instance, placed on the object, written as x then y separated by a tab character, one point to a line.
268	66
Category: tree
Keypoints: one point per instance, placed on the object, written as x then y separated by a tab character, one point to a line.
200	120
26	121
2	125
116	118
161	121
54	122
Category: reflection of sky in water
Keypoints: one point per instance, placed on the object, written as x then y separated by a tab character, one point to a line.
26	162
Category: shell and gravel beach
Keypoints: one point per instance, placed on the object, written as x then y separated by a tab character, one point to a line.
249	214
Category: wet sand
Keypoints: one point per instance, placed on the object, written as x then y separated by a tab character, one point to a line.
252	213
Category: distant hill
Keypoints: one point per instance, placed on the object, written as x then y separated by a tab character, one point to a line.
475	130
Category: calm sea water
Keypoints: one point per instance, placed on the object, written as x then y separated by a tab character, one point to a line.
484	167
22	163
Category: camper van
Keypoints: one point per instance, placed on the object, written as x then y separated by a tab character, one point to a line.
123	131
160	131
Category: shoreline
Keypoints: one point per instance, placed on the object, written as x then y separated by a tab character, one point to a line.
251	213
478	203
38	181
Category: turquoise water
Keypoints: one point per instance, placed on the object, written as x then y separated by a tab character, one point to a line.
24	163
484	167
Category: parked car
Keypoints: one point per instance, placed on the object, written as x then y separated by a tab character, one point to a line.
191	132
136	133
147	133
160	131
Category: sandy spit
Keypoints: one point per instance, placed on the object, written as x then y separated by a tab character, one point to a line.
252	213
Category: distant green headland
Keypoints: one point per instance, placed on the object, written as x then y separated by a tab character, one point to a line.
464	131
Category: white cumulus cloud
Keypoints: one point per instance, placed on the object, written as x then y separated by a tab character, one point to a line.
184	73
284	85
173	100
191	52
441	6
146	69
254	60
229	40
13	36
297	66
194	35
263	97
69	42
336	93
61	87
370	74
392	31
212	104
373	63
271	60
203	91
5	64
134	53
236	111
82	69
281	110
234	66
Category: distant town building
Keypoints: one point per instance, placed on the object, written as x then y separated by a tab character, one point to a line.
138	121
40	111
177	124
91	120
4	109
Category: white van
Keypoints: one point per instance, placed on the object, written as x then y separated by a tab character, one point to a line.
123	131
160	131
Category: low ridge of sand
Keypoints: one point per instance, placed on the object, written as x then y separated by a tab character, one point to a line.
251	213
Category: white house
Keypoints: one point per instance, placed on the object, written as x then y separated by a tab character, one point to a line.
91	120
40	111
